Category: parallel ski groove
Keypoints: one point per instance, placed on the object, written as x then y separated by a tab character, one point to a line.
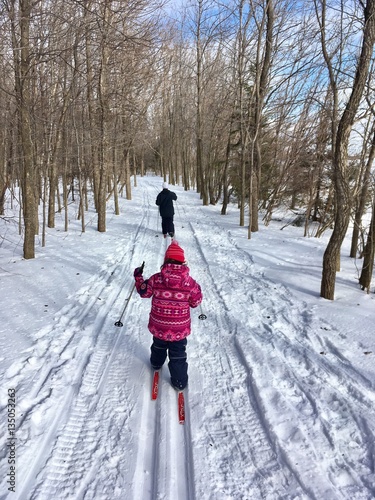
189	460
156	449
173	468
265	455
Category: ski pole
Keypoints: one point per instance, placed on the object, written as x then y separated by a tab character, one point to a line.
179	213
119	323
202	316
157	224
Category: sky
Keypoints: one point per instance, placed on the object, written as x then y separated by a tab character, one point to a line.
281	393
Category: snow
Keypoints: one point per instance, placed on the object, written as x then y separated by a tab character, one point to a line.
280	403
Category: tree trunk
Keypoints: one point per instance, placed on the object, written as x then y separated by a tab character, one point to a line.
128	186
29	188
341	178
201	187
103	122
225	176
368	254
362	200
261	88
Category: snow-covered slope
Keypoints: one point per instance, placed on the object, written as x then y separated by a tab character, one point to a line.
281	396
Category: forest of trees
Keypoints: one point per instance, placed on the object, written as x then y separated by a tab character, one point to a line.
267	103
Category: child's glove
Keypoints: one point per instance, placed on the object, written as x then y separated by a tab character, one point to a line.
138	272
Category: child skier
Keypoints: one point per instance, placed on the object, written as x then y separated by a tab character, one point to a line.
173	292
164	200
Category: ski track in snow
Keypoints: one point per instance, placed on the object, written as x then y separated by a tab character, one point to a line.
84	369
271	360
266	387
78	361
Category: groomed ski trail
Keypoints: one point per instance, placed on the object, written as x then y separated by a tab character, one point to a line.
268	386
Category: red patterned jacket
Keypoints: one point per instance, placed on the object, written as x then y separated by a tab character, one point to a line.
173	292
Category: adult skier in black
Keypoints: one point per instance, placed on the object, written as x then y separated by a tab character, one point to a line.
164	200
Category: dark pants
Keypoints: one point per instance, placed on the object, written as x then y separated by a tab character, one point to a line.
177	365
167	225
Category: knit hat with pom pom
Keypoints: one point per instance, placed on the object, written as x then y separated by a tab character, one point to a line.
175	252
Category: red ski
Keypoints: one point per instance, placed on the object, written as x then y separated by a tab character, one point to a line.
155	386
181	407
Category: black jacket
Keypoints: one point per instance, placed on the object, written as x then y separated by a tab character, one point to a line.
164	200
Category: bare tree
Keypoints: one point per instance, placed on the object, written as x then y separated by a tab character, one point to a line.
369	253
262	70
363	184
20	17
341	141
207	26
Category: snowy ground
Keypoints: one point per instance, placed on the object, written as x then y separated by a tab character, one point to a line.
281	394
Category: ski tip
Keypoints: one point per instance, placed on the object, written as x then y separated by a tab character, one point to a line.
155	385
181	407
